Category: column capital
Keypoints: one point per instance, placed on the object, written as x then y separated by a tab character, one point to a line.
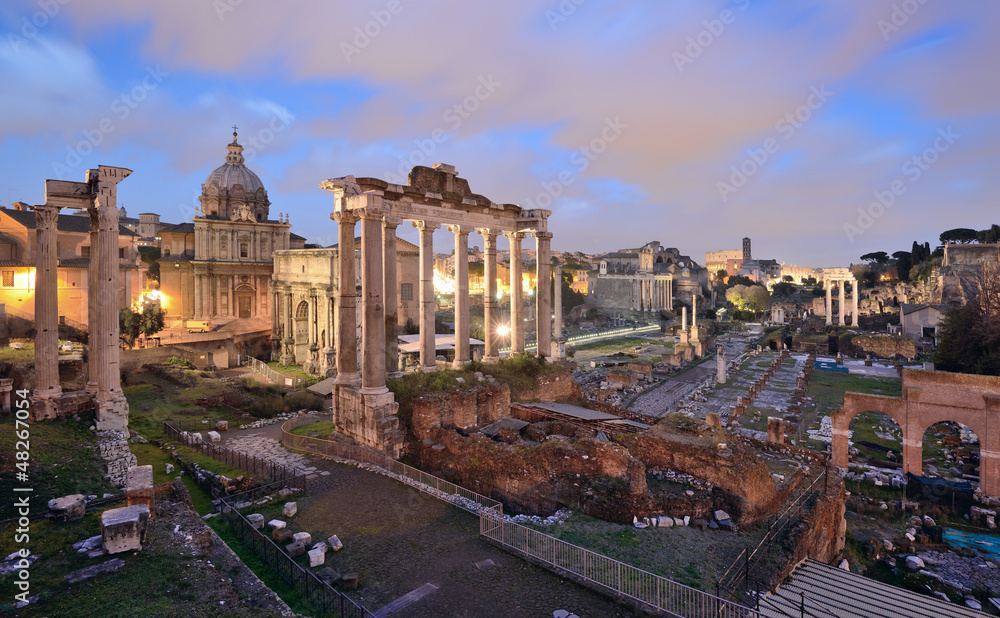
460	229
425	226
543	235
390	222
348	217
46	217
514	235
488	233
370	213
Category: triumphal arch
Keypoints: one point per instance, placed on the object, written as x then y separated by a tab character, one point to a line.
931	397
363	407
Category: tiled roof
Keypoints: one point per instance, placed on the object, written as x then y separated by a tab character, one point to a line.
66	223
16	264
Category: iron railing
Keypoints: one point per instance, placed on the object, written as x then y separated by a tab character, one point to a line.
258	366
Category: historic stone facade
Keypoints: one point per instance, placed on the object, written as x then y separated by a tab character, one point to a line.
219	267
645	280
931	397
363	407
304	305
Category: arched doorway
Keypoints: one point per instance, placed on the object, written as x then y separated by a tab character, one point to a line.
302	332
243	297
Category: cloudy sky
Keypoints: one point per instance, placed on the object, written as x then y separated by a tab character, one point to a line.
823	130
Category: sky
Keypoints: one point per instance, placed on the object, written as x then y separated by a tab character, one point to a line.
823	130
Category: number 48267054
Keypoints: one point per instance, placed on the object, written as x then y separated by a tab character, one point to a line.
21	431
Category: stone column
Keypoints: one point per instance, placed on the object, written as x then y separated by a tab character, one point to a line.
428	348
230	285
461	295
516	294
112	407
93	351
390	288
829	302
854	314
275	323
558	349
490	314
373	311
288	354
694	317
543	297
347	350
196	283
720	364
47	304
684	319
843	304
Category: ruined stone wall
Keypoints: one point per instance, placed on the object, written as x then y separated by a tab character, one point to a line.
738	471
462	410
821	535
612	293
552	387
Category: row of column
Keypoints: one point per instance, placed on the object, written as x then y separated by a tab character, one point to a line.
378	265
843	304
653	295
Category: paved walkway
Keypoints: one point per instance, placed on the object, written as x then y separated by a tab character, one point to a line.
400	540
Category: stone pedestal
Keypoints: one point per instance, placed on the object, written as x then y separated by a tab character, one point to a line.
124	529
775	430
288	357
369	418
139	488
720	364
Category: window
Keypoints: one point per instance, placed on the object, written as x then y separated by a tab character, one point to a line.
121	253
7	279
85	251
244	249
406	291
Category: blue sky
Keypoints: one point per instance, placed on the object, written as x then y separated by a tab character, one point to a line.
691	123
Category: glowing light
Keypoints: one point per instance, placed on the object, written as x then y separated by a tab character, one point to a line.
503	330
443	283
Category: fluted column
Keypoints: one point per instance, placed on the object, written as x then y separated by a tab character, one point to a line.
288	354
373	310
347	351
390	288
516	294
275	322
47	304
490	314
428	354
461	295
93	350
829	302
854	314
543	294
557	348
843	304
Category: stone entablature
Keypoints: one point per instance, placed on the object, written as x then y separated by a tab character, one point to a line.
931	397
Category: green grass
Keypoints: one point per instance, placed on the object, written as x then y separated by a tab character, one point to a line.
25	356
828	387
614	345
323	428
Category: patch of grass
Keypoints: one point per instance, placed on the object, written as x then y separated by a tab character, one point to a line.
828	387
24	356
323	428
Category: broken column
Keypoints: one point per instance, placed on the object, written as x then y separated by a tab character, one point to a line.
47	387
775	430
720	364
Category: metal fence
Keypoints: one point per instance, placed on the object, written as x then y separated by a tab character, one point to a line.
257	466
591	567
314	590
427	483
613	575
258	366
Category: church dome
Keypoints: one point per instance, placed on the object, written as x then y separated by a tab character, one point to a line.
234	172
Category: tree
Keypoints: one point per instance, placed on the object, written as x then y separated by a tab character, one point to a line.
149	257
903	265
720	275
758	299
740	280
879	257
969	336
961	235
477	269
128	326
151	320
782	289
990	235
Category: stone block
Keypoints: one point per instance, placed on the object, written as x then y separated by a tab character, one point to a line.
68	508
139	486
720	515
281	534
316	557
222	425
275	524
334	543
124	529
256	520
322	546
296	549
169	468
350	581
303	537
214	436
290	509
665	522
328	575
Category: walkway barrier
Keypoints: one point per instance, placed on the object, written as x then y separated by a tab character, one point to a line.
255	465
317	592
592	568
268	372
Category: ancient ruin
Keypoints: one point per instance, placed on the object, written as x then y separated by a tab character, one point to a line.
840	276
364	408
930	397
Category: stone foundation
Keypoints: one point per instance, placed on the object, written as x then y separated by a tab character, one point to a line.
369	418
112	415
66	404
462	410
112	446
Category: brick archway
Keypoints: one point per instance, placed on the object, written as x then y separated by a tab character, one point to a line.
931	397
